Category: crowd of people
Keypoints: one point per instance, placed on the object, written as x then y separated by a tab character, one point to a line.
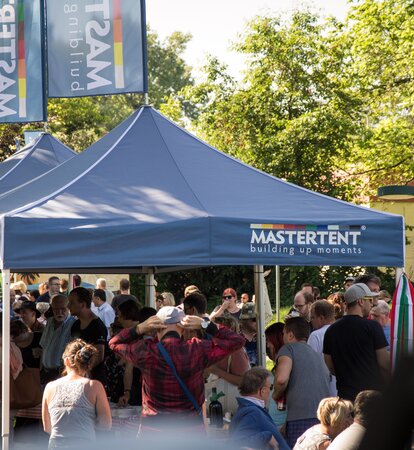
89	347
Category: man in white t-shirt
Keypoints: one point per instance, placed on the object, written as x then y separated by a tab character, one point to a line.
100	308
322	315
366	403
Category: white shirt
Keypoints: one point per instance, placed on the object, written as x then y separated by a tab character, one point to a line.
256	401
349	439
106	313
315	341
316	338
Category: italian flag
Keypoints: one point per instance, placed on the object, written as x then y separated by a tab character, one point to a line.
402	319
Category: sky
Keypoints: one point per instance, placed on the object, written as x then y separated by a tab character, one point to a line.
215	24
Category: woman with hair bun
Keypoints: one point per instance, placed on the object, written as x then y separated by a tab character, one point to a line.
74	405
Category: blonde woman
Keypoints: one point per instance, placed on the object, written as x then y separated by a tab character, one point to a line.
168	299
73	405
335	414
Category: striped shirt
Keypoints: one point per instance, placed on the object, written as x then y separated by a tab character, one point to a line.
53	342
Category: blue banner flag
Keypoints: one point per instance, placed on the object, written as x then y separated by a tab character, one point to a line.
96	47
22	96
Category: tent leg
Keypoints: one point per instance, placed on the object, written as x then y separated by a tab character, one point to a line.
5	405
150	289
259	293
277	291
398	272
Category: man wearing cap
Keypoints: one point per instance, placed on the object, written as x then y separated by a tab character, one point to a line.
248	329
163	399
29	314
355	349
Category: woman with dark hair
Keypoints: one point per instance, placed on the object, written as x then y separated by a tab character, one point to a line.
274	342
73	405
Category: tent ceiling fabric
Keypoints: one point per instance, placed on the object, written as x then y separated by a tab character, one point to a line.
35	159
151	194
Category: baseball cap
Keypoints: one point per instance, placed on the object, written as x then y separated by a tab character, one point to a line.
248	311
358	291
28	305
170	315
350	278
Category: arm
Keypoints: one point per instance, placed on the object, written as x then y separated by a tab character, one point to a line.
223	307
103	412
223	343
100	356
329	363
123	401
128	345
233	379
237	364
47	426
282	375
383	359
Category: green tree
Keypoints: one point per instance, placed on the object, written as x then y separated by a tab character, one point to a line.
292	116
380	36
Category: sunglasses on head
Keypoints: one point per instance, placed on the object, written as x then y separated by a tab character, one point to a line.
227	297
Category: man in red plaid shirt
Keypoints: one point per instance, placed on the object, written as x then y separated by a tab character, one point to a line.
162	396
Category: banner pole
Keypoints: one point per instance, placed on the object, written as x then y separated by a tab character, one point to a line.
5	405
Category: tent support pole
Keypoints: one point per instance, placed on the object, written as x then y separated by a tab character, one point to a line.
398	272
150	289
277	292
259	294
5	360
70	281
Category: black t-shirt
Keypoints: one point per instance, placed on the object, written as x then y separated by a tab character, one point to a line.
29	359
352	343
122	298
95	333
44	298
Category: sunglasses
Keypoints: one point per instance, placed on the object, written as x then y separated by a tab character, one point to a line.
227	297
369	299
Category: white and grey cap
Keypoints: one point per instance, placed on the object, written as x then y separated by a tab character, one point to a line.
358	291
170	315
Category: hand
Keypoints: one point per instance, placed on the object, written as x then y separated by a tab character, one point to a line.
192	322
273	443
154	323
225	305
123	401
214	370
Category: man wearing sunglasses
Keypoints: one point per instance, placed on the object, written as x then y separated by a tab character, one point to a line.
355	349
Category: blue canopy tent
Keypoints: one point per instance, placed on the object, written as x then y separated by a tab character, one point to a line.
33	160
149	194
